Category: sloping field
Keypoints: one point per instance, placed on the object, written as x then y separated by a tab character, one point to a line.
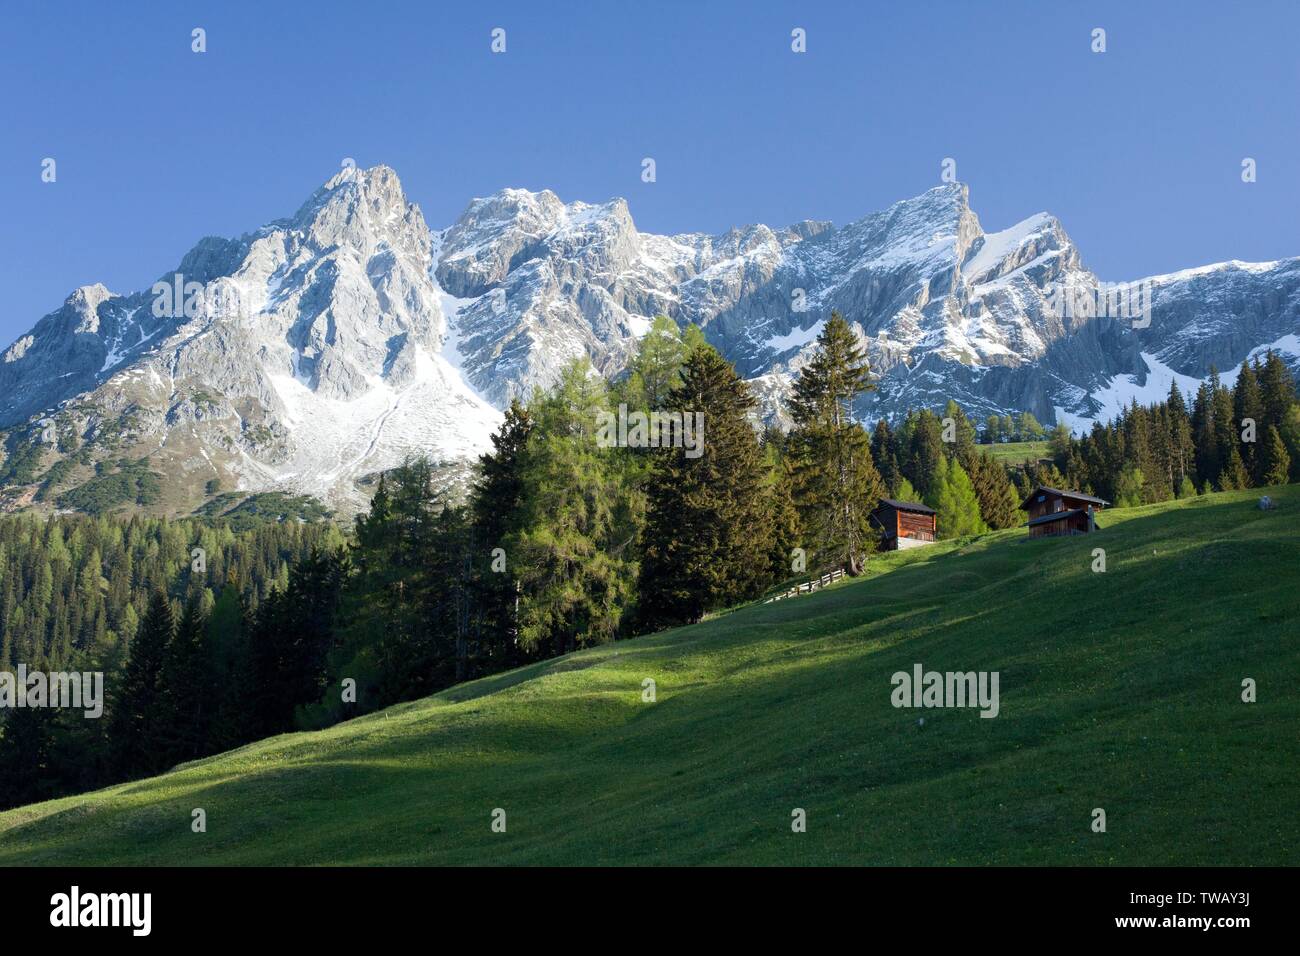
1118	690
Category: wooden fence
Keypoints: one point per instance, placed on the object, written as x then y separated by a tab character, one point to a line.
808	586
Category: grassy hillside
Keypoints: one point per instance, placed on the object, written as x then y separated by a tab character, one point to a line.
1018	452
1118	690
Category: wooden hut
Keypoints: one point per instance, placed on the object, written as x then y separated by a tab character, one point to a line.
905	524
1054	512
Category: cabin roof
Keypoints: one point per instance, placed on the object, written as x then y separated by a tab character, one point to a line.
1063	494
908	506
1055	516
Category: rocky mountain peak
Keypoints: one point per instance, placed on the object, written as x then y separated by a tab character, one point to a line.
360	209
331	344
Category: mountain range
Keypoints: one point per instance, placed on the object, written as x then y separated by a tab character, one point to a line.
321	349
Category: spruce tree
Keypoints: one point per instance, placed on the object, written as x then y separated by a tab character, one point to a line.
704	546
497	509
135	707
836	482
1234	475
926	451
1277	388
993	430
1248	407
782	531
26	757
1060	442
962	431
998	502
1276	467
1182	449
1227	433
1290	431
882	453
186	692
1204	435
227	633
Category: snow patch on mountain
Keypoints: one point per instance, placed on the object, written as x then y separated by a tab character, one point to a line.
350	335
795	338
1122	390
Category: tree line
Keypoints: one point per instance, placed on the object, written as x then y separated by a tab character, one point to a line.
1246	436
563	541
83	594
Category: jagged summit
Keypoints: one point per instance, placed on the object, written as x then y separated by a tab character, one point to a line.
326	346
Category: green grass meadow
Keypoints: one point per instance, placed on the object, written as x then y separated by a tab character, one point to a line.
1018	452
1119	690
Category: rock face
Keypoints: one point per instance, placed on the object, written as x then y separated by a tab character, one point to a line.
301	357
325	347
945	310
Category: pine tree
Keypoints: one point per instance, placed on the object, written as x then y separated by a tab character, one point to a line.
704	546
1182	449
925	453
1290	431
134	710
836	482
1227	437
26	757
963	432
1276	462
999	505
882	453
227	638
783	531
186	694
1248	409
1277	388
1234	475
1204	435
497	512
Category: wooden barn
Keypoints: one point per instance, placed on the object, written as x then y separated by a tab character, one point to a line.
1054	512
905	524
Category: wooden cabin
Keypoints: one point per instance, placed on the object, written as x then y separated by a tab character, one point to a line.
1054	512
905	524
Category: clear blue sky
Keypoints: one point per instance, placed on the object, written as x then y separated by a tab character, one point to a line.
1137	150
